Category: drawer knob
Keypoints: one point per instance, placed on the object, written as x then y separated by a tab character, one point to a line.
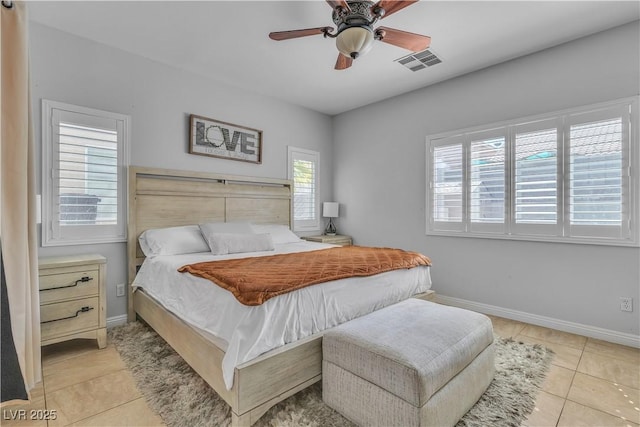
82	310
82	279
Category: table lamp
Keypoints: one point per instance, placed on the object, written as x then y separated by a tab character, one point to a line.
330	210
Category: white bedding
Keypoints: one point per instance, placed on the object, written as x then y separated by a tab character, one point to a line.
252	330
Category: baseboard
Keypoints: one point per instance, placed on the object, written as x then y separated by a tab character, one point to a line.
116	321
548	322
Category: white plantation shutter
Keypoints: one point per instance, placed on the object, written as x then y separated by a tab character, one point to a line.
84	152
487	182
570	177
304	176
87	181
447	187
537	200
304	172
598	164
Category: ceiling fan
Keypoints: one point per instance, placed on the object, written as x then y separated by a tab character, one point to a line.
355	34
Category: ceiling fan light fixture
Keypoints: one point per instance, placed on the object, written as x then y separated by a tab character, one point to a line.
355	41
354	34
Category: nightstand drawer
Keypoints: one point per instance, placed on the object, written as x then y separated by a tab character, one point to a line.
343	241
337	239
72	298
76	284
67	317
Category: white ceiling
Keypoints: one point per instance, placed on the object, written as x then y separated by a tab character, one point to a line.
227	40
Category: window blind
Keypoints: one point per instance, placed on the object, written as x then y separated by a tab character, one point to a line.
84	156
487	181
566	176
536	177
304	171
447	183
304	178
87	175
595	179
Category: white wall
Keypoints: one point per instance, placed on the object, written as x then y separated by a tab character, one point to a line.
159	99
379	164
378	158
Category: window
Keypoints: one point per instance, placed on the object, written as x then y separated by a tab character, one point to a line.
486	176
569	176
598	155
447	186
304	167
84	169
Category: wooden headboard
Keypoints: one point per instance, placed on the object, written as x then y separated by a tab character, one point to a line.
161	198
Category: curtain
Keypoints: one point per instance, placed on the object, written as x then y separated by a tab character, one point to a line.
12	384
17	198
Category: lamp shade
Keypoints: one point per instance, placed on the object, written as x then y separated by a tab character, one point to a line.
330	209
354	41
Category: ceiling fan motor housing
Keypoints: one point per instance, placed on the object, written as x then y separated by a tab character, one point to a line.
360	14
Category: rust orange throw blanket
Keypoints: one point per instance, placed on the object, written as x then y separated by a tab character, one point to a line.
255	280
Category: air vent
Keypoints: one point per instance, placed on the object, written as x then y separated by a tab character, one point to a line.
418	61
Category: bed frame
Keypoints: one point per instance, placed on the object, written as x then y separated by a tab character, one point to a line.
164	198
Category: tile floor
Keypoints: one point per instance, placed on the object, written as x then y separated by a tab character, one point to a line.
591	383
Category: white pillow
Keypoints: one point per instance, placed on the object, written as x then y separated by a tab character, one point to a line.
186	239
279	233
234	243
226	227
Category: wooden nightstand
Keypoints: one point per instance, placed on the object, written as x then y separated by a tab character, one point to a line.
338	239
72	298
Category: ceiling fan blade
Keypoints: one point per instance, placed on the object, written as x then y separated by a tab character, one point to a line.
292	34
404	39
341	3
391	6
343	62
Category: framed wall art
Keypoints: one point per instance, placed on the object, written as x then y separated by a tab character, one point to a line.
213	138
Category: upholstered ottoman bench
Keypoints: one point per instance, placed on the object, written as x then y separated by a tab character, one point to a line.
415	363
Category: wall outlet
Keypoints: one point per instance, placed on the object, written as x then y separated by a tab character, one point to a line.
626	304
120	290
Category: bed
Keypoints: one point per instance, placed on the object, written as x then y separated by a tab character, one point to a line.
256	380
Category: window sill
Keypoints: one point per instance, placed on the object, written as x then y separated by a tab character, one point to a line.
84	242
541	239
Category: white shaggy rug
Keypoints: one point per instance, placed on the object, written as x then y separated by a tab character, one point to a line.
175	392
